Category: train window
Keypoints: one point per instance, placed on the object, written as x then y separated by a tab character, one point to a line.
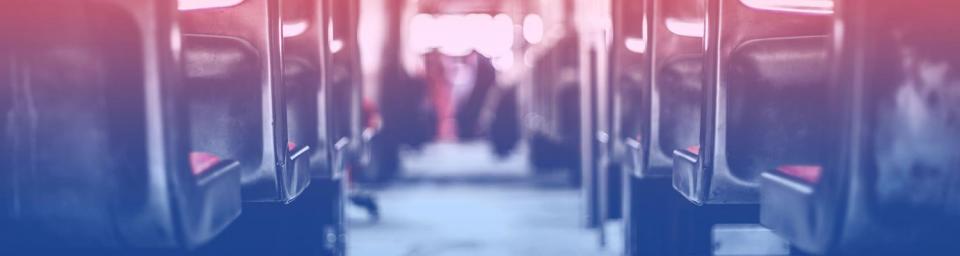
185	5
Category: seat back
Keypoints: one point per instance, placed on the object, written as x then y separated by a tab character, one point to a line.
245	40
767	92
900	69
764	71
76	77
889	185
98	159
304	67
345	82
630	78
676	82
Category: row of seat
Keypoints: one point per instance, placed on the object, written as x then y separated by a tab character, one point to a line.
153	123
829	122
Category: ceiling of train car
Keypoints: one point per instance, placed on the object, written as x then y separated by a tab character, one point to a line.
460	6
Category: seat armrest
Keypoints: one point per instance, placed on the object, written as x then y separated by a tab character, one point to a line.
688	178
216	170
213	205
298	151
787	206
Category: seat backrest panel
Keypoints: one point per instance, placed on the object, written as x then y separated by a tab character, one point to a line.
777	105
87	124
302	100
679	83
677	79
302	72
256	24
222	85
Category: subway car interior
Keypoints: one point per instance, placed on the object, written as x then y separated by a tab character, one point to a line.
479	127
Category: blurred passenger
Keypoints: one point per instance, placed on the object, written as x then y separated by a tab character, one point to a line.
441	95
480	78
505	126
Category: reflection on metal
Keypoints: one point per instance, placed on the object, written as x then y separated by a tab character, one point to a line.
801	6
296	28
636	45
336	45
685	28
186	5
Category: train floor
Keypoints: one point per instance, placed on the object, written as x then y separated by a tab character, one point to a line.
459	199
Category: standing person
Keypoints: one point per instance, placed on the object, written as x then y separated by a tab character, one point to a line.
483	79
441	96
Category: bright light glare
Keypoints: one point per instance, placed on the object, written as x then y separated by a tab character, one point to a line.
636	45
497	39
186	5
336	45
455	40
422	37
295	28
477	28
533	28
458	35
503	62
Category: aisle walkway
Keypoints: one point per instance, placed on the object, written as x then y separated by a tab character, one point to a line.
433	213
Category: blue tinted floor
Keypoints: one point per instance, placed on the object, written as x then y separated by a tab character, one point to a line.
449	205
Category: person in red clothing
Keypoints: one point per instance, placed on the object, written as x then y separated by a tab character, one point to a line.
441	96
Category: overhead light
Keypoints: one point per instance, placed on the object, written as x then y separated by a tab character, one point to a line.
186	5
497	39
422	33
503	62
454	40
533	28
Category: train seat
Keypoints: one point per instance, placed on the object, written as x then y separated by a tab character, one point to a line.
233	64
887	185
308	113
764	74
676	84
775	105
670	104
102	158
766	82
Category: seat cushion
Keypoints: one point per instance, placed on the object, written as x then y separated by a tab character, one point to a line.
200	162
805	173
